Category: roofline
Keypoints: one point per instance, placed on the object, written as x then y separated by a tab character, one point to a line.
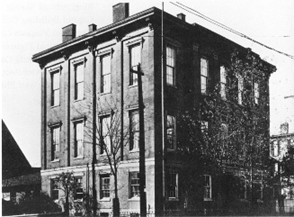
282	135
133	18
95	33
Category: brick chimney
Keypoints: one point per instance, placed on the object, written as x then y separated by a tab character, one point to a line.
92	27
68	32
120	11
182	16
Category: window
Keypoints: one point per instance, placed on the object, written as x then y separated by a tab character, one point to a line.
223	82
204	126
207	187
170	65
171	132
104	186
55	88
256	93
275	148
105	123
54	189
78	140
79	194
204	75
135	61
79	81
258	189
55	142
276	168
243	189
172	184
106	74
134	184
240	89
134	130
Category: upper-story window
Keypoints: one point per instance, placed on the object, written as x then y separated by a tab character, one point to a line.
135	61
170	66
207	187
106	73
134	130
171	132
55	88
78	139
55	142
240	89
223	82
204	74
79	81
256	92
105	123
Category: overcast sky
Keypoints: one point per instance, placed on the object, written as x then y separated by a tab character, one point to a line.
30	26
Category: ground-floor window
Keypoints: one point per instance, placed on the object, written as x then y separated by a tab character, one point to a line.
207	187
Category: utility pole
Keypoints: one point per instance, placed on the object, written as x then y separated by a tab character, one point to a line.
143	211
94	134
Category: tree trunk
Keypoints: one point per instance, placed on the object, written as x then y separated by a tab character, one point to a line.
115	201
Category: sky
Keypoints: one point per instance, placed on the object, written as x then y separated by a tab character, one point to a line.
30	26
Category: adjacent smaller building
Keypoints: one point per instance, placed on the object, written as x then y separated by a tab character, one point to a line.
282	146
18	176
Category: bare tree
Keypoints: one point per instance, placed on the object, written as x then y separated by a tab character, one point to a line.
112	135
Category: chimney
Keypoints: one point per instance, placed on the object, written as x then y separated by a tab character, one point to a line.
120	11
182	16
68	32
92	27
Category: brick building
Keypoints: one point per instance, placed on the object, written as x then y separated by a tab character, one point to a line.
98	65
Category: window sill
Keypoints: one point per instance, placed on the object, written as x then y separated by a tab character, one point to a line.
106	199
136	198
171	85
79	157
55	106
134	150
208	199
173	199
105	93
171	149
77	100
55	160
133	85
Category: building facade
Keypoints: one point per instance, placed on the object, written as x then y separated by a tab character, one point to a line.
283	169
88	79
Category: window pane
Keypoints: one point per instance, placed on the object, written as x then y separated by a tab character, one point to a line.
169	75
134	184
106	130
170	65
79	73
204	67
203	84
80	90
56	80
135	55
134	127
79	136
170	132
106	83
105	65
